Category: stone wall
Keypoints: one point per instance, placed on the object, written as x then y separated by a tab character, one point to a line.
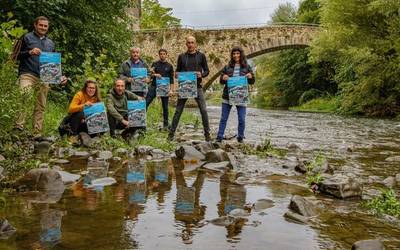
216	44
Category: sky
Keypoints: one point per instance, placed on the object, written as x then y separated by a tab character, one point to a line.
223	12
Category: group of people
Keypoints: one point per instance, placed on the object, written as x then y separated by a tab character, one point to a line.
35	42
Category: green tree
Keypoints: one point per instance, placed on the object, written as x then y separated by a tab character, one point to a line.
363	45
154	16
285	13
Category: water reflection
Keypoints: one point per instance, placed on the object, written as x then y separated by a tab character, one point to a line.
50	224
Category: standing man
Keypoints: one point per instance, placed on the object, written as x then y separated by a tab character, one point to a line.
192	60
125	70
33	44
161	68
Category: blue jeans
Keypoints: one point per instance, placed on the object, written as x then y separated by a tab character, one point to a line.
226	109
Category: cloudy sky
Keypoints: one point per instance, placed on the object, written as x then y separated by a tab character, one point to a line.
223	12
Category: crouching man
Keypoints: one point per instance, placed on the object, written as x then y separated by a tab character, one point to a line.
117	109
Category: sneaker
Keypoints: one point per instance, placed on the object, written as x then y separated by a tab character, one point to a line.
240	140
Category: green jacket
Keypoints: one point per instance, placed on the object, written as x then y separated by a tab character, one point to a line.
117	106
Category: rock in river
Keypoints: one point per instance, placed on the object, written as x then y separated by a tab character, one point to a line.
302	206
368	245
341	186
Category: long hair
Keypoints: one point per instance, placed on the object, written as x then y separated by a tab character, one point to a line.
97	93
243	59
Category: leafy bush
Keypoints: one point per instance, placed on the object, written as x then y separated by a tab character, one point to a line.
387	203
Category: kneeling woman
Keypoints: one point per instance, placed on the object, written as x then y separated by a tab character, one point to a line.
87	96
237	66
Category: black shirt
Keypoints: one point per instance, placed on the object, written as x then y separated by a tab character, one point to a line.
193	62
165	69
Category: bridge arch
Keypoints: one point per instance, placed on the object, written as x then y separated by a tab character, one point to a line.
217	43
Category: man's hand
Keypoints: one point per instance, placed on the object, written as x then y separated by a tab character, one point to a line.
35	52
64	80
198	73
225	77
157	75
125	123
249	75
147	80
171	93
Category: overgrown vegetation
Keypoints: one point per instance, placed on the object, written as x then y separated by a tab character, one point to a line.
313	169
386	203
264	149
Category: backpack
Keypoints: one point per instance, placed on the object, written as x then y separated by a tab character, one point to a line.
17	48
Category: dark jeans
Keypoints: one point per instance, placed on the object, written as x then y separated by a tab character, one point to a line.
114	125
201	102
76	124
164	101
226	109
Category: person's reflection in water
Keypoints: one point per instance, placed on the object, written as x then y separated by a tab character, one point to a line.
50	223
187	206
233	196
159	179
136	184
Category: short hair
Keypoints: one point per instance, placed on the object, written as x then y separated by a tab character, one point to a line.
119	79
190	37
134	48
41	18
161	50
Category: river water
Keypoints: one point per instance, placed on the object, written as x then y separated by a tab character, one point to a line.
157	205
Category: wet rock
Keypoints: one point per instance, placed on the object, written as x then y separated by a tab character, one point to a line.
2	158
219	167
393	158
227	220
341	186
389	182
217	155
143	150
47	182
42	147
106	155
102	182
295	217
368	245
300	167
68	178
374	179
263	204
60	161
85	139
6	229
232	160
61	152
302	206
122	152
81	154
292	146
205	147
238	212
189	153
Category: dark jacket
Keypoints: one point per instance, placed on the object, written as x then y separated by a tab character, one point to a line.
228	70
28	63
165	69
125	70
193	62
117	105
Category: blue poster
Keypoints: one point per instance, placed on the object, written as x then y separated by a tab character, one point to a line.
96	118
187	82
139	76
50	67
162	86
137	113
238	90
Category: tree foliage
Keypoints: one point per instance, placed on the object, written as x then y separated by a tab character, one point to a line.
285	13
363	45
154	16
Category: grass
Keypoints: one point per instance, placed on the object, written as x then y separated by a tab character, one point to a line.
320	105
313	177
386	203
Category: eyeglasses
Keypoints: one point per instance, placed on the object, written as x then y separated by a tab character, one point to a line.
91	88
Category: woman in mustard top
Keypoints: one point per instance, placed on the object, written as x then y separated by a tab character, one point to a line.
88	95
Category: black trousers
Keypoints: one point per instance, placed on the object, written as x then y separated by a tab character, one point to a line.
77	124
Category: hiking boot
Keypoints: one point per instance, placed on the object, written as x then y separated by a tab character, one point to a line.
240	139
219	140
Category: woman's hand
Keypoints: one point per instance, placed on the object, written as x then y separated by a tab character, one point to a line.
88	103
225	77
249	75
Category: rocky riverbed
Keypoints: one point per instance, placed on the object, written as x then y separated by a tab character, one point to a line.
214	195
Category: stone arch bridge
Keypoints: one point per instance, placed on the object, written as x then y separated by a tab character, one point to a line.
217	43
